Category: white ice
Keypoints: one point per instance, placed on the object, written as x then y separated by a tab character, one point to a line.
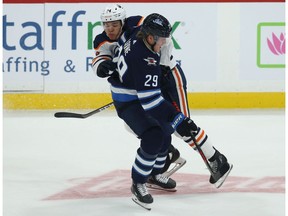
77	167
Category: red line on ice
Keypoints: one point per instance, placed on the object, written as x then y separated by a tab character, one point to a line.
117	184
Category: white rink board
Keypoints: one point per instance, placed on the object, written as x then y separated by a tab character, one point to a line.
217	45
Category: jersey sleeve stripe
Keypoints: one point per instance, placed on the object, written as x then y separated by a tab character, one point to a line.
122	94
123	90
98	58
153	103
147	94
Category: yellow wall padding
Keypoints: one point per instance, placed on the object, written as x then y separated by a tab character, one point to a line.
206	100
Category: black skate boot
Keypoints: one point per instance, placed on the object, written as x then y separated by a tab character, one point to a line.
174	160
141	195
220	168
161	182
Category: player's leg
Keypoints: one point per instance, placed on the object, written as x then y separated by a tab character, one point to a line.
220	168
149	154
218	162
134	116
173	88
157	180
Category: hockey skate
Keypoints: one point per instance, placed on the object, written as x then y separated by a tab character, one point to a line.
220	169
161	182
174	161
141	195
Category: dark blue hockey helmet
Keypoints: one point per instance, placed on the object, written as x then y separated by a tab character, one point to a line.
156	25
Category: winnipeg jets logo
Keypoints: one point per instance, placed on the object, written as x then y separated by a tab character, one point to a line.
150	61
158	21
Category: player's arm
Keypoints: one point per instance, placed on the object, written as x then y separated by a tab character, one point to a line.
166	58
102	64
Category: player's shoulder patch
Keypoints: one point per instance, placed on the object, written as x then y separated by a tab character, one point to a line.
151	61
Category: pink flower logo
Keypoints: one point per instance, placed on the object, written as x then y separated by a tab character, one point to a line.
277	45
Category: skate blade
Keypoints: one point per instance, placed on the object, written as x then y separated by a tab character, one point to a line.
143	205
180	162
220	182
156	187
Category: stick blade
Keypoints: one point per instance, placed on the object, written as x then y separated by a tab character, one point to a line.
68	115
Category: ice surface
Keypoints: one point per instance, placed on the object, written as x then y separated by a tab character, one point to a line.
77	167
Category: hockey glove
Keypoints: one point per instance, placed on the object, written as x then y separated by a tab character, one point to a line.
165	70
184	127
165	80
106	68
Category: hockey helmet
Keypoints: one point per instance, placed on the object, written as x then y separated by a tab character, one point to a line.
156	25
113	13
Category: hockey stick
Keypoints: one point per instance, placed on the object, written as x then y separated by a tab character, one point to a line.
218	177
202	155
195	142
174	103
78	115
